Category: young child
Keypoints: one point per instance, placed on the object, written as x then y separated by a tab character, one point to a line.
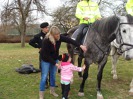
67	73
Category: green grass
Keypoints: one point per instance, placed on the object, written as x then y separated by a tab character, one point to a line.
17	86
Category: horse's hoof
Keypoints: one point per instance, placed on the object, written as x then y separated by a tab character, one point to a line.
99	96
115	77
81	94
131	92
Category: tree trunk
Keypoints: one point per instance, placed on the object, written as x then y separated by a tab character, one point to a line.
22	39
23	33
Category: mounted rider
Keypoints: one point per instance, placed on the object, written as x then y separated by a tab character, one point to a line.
87	12
129	7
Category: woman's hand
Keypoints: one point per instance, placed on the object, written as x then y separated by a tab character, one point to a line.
57	65
83	48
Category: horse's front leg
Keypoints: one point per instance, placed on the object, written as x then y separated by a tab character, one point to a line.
131	88
85	76
99	77
114	61
114	58
79	64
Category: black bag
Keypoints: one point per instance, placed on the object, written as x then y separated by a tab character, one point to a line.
27	69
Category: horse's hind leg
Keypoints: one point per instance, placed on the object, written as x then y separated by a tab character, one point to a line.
79	65
70	51
99	77
85	76
114	58
131	88
73	58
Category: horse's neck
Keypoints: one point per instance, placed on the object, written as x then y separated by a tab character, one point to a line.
108	38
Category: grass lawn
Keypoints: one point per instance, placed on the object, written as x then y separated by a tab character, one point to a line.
18	86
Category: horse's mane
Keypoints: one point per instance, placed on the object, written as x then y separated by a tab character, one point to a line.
106	25
129	18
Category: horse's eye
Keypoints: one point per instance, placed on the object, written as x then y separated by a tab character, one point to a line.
124	31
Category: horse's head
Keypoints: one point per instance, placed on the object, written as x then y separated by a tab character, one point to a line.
124	36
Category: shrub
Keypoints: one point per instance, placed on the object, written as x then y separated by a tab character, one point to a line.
12	38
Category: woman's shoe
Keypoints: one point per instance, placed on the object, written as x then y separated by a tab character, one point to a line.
41	94
52	91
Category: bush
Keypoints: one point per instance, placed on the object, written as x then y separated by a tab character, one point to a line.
12	39
3	38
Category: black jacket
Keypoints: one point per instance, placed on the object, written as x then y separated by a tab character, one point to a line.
50	53
36	42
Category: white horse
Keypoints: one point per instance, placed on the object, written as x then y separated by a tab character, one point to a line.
125	49
115	56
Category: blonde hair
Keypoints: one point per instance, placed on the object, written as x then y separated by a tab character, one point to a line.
53	30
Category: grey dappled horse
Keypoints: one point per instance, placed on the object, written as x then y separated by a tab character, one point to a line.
98	41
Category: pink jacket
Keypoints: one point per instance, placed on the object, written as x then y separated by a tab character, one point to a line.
67	70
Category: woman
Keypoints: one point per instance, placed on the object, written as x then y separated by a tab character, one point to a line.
49	56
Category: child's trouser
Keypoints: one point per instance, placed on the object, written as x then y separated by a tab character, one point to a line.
65	90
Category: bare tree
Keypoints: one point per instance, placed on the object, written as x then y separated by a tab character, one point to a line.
112	7
64	16
19	13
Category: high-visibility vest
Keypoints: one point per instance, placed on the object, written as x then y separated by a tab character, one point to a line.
129	7
87	9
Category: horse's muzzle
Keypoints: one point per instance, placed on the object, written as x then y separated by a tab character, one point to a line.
127	57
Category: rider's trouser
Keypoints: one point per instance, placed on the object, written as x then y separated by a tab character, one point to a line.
78	34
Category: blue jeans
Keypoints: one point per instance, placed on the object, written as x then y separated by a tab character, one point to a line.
46	68
79	34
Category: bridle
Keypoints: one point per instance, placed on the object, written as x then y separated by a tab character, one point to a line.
122	43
